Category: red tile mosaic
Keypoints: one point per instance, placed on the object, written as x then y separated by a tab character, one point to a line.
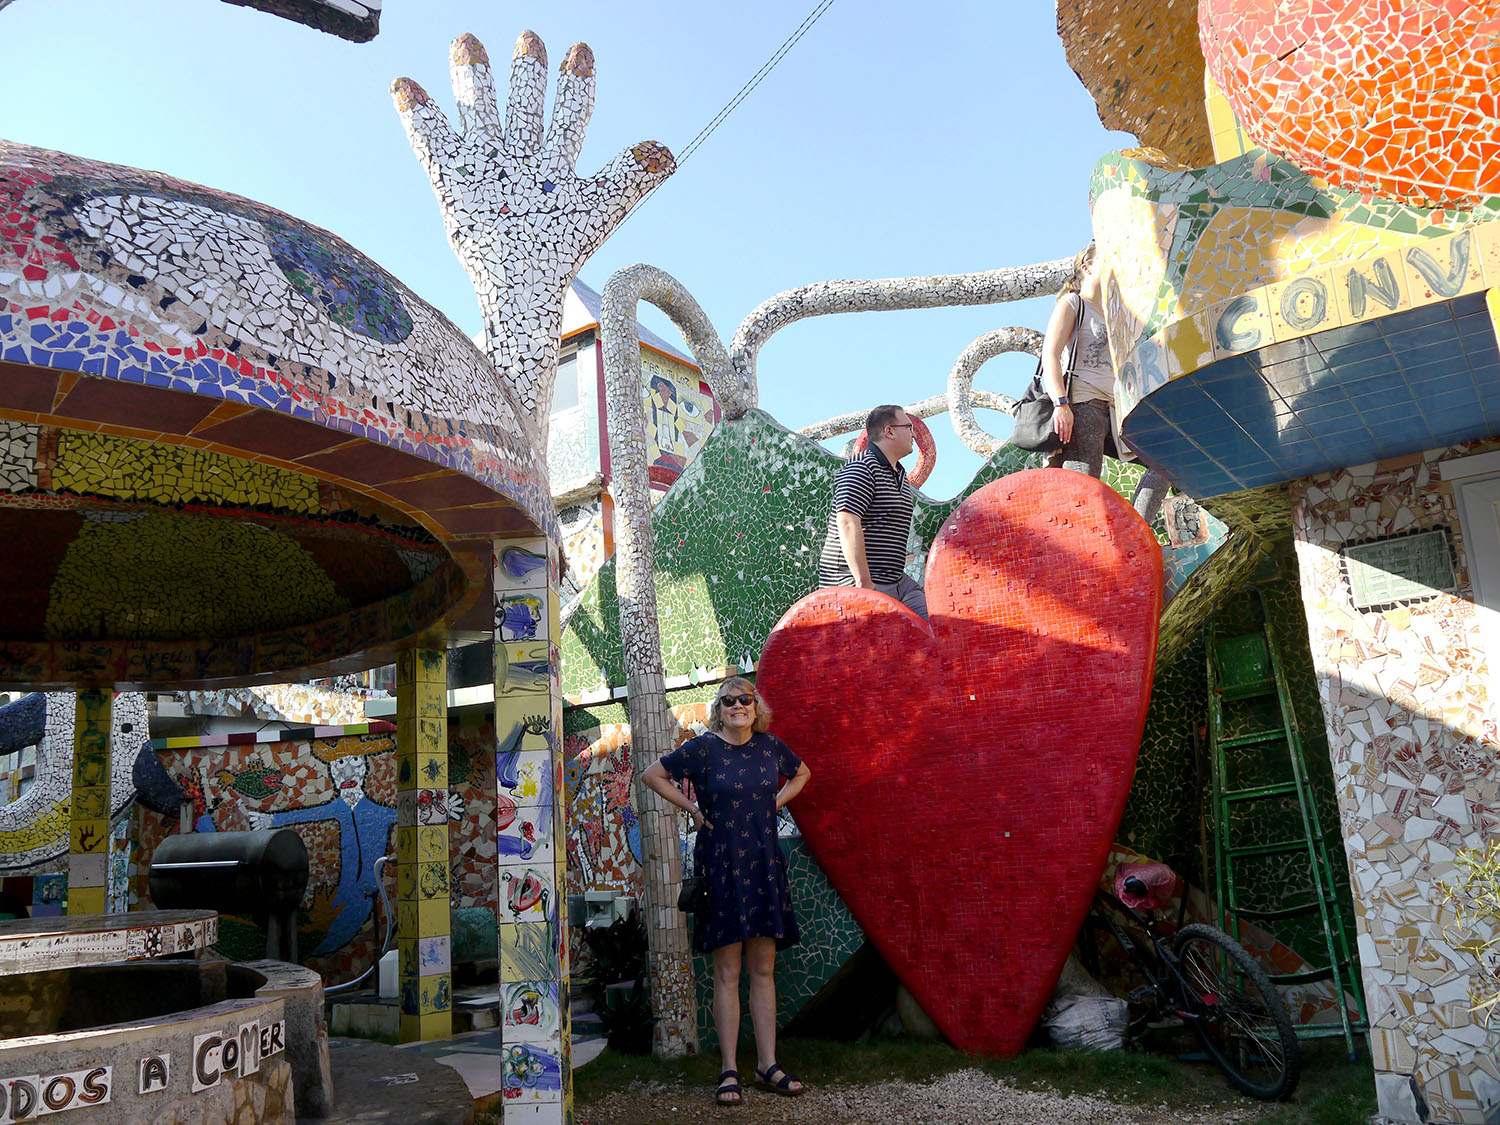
1012	724
1393	99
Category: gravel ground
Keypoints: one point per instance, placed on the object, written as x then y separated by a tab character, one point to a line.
966	1097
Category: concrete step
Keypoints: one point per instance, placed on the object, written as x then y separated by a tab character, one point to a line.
376	1083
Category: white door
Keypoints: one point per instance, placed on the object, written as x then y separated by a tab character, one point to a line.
1479	514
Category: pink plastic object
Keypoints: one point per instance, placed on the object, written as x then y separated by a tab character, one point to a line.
926	450
1161	885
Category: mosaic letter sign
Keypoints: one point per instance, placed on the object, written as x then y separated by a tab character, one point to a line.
968	778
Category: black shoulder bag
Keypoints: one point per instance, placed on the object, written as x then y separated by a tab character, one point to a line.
1033	411
693	898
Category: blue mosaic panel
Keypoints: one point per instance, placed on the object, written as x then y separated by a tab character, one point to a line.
1383	388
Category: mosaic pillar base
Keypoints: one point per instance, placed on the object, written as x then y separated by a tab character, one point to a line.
88	820
673	993
423	917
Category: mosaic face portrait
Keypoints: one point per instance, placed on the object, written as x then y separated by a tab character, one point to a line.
348	776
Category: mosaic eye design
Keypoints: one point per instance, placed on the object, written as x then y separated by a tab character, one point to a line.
352	295
537	724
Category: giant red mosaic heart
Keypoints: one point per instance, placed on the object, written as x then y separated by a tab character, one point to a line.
968	778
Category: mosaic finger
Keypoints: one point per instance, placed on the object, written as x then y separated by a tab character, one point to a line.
571	109
427	130
474	89
528	93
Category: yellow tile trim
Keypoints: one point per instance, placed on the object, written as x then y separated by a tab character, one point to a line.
1425	272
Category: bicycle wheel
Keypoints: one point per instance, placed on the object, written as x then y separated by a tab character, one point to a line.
1238	1013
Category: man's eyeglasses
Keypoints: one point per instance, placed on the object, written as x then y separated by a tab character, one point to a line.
903	425
742	700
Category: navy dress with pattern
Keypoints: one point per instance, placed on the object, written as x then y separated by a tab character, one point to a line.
736	788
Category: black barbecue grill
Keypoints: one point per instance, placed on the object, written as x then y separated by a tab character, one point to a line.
259	875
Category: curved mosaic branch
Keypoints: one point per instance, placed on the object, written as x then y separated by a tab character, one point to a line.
924	408
992	287
518	217
962	398
34	827
651	723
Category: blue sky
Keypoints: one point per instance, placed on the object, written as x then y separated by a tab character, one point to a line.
892	140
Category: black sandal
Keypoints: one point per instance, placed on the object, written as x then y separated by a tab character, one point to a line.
731	1088
782	1087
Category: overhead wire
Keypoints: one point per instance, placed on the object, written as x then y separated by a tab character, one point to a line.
744	92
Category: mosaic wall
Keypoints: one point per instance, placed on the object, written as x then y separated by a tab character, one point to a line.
1411	732
1222	260
92	464
337	789
1374	97
512	204
293	703
1144	68
34	828
109	562
587	542
680	412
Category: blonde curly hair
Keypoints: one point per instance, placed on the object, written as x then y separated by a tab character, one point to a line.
737	685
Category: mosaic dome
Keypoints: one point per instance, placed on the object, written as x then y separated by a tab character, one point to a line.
231	446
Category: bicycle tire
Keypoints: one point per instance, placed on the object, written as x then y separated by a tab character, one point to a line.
1240	1016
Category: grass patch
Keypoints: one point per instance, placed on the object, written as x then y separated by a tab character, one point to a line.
1333	1091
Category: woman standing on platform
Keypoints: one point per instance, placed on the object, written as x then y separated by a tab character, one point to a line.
737	771
1084	417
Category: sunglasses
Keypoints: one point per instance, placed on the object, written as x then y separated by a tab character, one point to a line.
742	700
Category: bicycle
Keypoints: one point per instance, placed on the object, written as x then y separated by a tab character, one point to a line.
1199	977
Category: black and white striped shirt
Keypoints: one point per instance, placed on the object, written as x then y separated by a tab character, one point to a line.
879	493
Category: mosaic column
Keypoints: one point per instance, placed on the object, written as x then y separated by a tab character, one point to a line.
88	819
674	996
423	917
535	1005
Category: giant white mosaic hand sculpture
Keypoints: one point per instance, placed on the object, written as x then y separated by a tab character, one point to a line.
519	218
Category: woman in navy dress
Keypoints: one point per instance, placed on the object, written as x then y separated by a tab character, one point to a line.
736	771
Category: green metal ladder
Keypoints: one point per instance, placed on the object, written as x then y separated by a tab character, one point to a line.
1258	771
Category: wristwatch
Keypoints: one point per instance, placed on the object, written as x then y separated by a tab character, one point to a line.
1060	401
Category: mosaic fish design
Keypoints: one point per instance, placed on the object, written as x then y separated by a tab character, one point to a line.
256	782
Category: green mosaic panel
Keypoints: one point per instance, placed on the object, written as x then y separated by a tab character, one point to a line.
124	469
162	577
830	935
1165	808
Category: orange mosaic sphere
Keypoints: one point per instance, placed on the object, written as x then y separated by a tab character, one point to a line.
1398	100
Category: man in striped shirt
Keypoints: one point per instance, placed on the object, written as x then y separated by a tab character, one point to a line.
871	518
